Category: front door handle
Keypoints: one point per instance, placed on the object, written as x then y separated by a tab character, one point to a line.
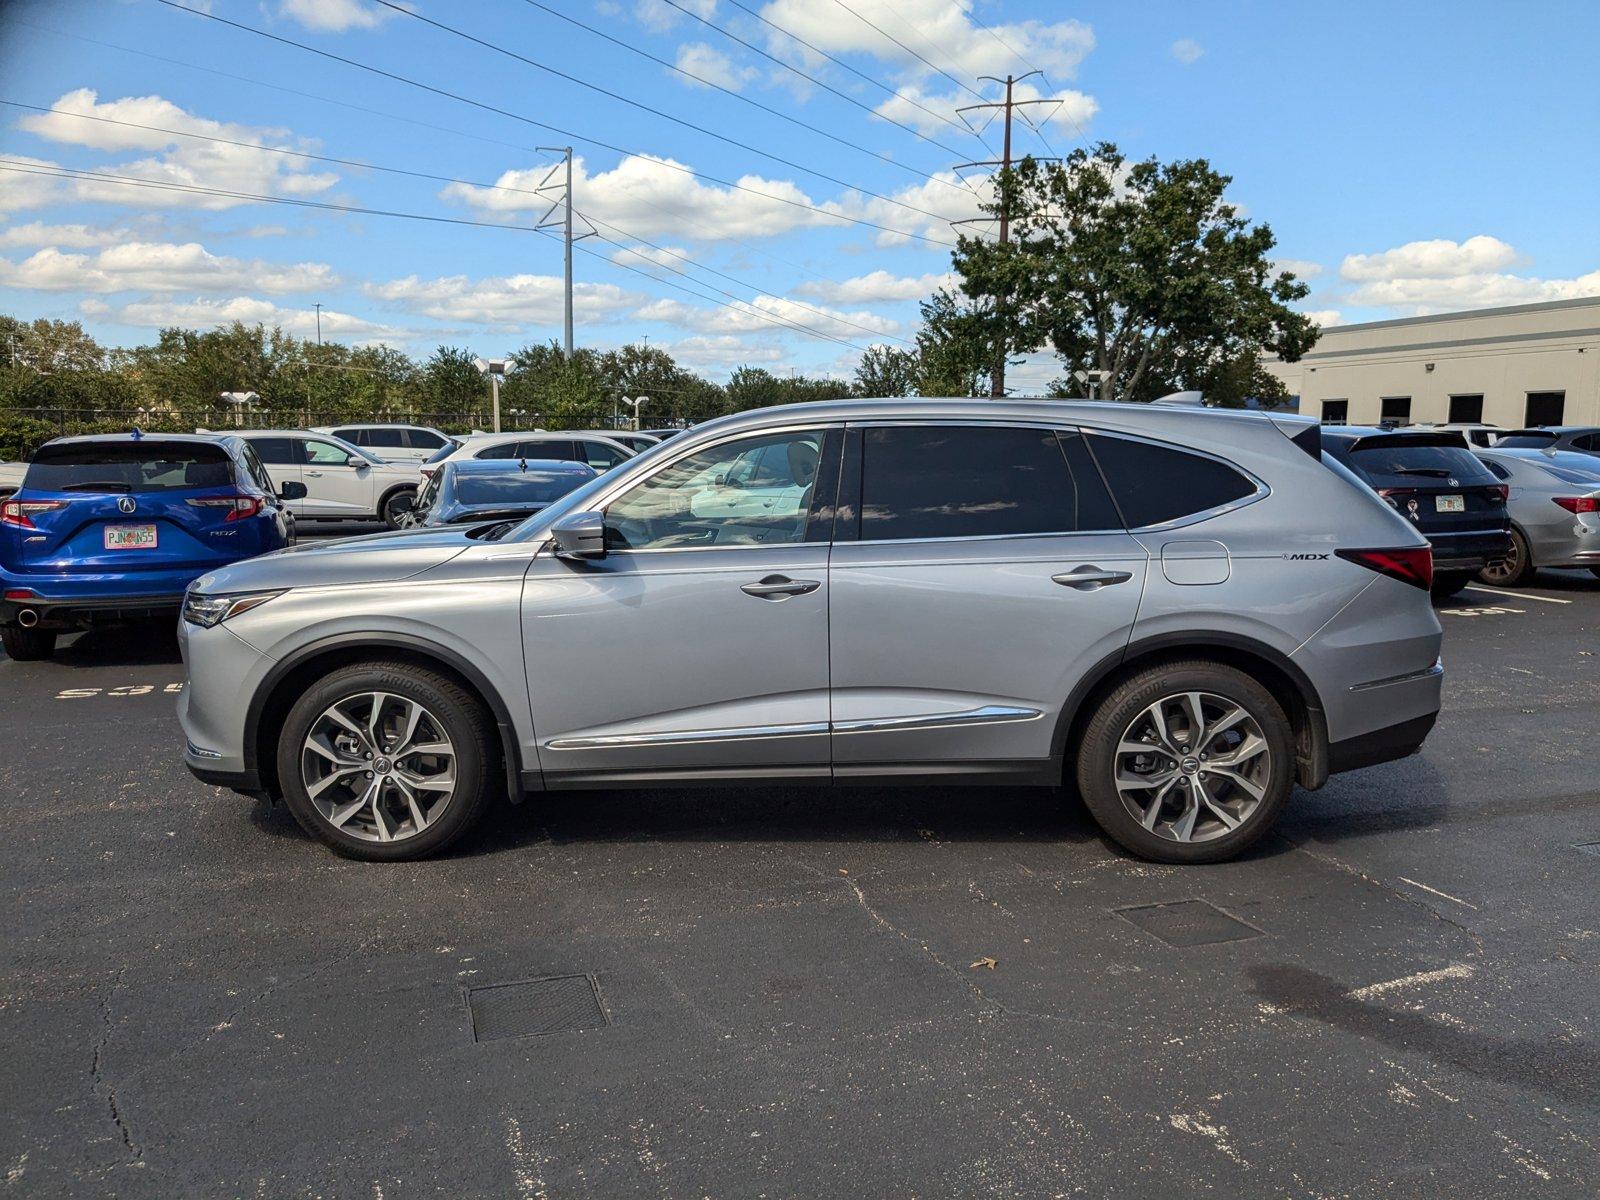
1088	579
776	587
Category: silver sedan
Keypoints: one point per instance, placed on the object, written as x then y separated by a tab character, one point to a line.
1554	504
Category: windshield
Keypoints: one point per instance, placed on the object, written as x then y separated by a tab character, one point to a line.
142	466
519	487
443	452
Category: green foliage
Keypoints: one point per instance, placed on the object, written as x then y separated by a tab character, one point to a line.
955	349
1139	271
887	371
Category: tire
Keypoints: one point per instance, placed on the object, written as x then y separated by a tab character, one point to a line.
341	812
1515	568
1111	783
1448	583
27	645
386	509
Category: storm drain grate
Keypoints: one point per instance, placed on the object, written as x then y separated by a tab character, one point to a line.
532	1007
1189	923
1591	848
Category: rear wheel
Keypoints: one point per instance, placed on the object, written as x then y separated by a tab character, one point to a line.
1190	762
27	645
387	760
1514	567
1448	583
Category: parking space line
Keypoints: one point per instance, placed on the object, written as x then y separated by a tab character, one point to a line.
1437	892
1472	587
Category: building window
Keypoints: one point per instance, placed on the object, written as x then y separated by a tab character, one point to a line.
1466	410
1335	412
1396	410
1546	408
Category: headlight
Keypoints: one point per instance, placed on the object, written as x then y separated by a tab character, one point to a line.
206	611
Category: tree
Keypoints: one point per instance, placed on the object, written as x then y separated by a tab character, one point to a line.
887	371
954	348
1141	272
452	385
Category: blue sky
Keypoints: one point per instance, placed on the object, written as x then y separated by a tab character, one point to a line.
1410	157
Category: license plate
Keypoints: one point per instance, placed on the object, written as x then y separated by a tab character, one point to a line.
130	537
1449	504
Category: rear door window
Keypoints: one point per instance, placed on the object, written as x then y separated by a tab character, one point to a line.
383	439
147	465
422	439
599	455
277	451
952	481
1154	484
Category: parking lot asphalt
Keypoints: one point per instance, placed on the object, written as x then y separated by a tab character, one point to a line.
926	992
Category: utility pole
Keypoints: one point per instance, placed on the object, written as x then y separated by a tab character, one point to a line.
997	374
318	307
565	203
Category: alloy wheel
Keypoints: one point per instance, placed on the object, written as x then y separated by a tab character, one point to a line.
1192	767
1505	570
378	767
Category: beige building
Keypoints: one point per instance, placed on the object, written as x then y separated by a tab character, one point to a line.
1533	364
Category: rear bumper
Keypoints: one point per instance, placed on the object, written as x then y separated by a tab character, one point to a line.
55	613
1380	745
1469	551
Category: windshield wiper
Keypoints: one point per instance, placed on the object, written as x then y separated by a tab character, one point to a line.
493	533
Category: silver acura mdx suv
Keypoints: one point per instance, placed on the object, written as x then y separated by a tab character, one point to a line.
1184	612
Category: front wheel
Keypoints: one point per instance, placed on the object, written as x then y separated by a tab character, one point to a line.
1190	762
387	760
27	645
393	511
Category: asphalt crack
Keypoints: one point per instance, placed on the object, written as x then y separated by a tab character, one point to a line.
102	1086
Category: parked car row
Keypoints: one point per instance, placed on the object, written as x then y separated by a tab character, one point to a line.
111	527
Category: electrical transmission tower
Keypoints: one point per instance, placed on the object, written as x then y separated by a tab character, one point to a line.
564	202
997	376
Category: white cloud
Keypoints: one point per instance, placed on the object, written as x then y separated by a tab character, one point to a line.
27	189
640	257
1187	50
72	237
874	287
721	352
648	197
1327	316
204	314
1441	275
930	111
334	16
181	160
159	267
940	30
1300	268
935	196
1439	258
766	314
713	66
655	15
505	303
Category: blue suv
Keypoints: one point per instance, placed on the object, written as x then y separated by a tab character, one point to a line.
113	527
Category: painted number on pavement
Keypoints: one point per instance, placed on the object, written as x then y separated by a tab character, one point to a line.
129	689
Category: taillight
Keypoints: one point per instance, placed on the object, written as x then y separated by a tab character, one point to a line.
239	507
1395	495
1578	504
1410	564
1500	491
19	513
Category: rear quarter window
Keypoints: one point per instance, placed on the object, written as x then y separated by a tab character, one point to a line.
1154	484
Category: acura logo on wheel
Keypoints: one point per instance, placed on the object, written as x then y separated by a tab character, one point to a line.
126	504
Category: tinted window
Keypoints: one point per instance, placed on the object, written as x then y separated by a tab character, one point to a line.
277	451
421	439
1589	441
390	439
518	487
445	451
600	456
941	481
143	466
1527	440
1154	484
353	436
1404	463
1495	469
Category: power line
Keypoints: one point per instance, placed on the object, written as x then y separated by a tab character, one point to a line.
567	133
809	78
206	137
649	108
727	91
930	65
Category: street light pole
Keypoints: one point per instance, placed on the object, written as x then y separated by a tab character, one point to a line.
494	368
318	307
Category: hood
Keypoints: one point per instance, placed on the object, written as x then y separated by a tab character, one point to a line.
373	558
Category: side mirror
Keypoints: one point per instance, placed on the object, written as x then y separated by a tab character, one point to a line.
580	535
293	490
356	461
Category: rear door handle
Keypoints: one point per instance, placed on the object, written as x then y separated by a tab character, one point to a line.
1088	579
776	587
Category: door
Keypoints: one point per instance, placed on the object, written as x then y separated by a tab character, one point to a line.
699	643
283	460
978	572
338	483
